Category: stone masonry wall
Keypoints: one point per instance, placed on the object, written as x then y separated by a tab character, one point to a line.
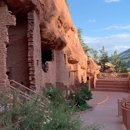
17	51
34	51
49	77
6	19
61	72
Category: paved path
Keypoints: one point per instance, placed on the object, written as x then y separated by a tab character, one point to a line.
105	112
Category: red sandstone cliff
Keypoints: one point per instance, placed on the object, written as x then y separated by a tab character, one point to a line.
57	28
47	26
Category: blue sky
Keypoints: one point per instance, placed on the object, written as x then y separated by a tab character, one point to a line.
103	23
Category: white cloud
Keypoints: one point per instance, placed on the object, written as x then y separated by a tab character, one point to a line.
109	1
120	47
118	27
111	43
109	39
92	21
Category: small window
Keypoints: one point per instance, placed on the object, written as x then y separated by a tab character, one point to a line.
46	56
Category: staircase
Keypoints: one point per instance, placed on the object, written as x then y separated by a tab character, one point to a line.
25	94
113	85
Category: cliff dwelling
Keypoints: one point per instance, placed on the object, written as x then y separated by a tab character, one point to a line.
39	46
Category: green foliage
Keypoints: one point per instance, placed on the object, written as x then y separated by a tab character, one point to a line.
67	5
79	99
29	116
86	93
114	59
95	55
85	47
79	30
32	116
104	57
55	95
128	69
119	65
66	2
63	120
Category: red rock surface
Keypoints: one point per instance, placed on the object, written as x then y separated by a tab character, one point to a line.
48	27
57	28
21	7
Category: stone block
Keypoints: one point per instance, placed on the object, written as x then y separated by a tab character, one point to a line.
30	16
30	53
30	39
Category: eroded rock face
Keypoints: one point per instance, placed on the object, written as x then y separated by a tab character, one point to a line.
53	24
49	28
58	31
21	7
57	28
93	68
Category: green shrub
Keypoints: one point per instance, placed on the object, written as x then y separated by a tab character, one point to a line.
78	100
86	93
55	95
32	116
29	116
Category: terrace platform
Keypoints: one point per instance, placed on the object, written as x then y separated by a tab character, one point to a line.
106	110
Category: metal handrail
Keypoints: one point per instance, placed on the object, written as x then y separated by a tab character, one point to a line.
26	96
22	86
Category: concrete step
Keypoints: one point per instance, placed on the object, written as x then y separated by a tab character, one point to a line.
111	90
112	86
112	82
114	79
105	80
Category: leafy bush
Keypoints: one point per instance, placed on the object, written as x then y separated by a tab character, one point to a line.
55	95
86	93
14	116
78	100
32	116
63	120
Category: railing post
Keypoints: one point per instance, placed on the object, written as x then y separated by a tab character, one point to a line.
129	81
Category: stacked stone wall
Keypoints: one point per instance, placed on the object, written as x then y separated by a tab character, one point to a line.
34	51
6	19
17	51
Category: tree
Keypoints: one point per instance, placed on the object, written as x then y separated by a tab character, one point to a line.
66	1
115	60
79	30
104	57
85	47
95	56
119	65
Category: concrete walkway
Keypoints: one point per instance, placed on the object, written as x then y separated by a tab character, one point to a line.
106	110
